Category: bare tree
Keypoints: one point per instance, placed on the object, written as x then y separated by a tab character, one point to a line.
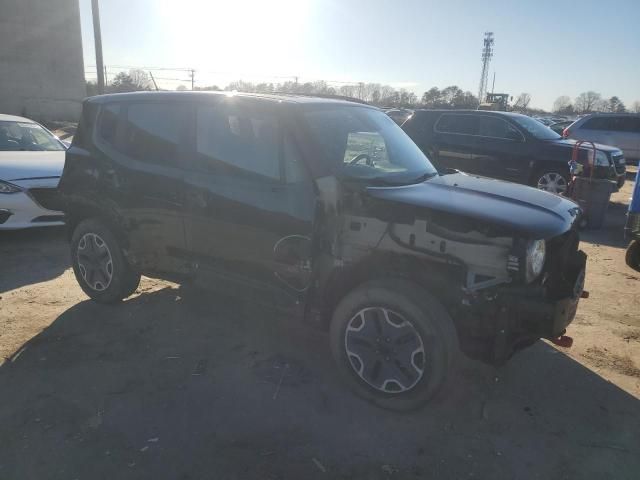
522	102
130	82
635	107
562	104
587	101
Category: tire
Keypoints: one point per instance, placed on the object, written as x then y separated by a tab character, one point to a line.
550	176
632	256
421	322
100	267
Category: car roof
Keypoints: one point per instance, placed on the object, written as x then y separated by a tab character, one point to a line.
609	114
468	111
193	95
14	118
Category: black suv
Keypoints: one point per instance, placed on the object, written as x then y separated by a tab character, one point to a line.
508	146
327	209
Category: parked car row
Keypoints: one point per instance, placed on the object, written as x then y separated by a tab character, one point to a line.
507	146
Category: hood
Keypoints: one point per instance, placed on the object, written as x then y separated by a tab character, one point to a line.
23	166
568	143
525	210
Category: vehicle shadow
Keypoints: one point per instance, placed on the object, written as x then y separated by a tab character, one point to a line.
45	247
180	385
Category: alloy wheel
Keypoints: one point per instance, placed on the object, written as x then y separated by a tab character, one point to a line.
385	350
552	182
95	262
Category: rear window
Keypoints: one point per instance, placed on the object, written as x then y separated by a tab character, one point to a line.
461	124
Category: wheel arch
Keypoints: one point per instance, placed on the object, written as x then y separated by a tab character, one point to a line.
442	281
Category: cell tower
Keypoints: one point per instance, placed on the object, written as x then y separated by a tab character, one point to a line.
487	53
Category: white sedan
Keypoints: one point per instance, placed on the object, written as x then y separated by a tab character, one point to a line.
31	163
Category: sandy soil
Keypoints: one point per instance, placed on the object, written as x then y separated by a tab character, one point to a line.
174	384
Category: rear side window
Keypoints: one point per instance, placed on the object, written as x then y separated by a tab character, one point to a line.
238	141
497	128
108	124
461	124
601	123
153	132
630	124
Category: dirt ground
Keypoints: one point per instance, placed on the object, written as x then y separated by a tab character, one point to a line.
176	384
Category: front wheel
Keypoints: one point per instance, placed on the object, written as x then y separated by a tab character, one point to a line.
394	343
100	267
633	255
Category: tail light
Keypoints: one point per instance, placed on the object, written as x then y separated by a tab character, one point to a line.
565	133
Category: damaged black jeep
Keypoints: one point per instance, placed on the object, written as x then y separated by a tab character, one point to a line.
327	209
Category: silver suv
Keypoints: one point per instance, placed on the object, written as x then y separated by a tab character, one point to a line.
620	130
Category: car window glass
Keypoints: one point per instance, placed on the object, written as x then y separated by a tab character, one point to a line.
629	124
370	146
497	128
109	122
238	140
461	124
153	132
293	168
600	123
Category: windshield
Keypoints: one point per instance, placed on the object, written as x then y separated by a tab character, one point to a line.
366	144
22	136
535	128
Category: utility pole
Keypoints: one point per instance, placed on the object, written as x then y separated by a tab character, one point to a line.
154	80
487	54
493	85
97	37
193	76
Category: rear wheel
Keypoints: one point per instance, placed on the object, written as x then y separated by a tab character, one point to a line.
551	181
393	343
99	264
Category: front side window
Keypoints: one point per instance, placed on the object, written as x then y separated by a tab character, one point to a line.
364	143
26	136
153	132
497	128
460	124
238	140
534	127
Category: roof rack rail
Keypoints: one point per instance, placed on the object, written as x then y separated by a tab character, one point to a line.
323	95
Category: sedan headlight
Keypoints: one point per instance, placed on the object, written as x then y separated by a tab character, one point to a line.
6	187
601	159
536	254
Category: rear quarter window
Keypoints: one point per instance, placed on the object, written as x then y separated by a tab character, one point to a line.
108	123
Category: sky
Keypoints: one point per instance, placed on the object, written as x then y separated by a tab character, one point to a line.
545	48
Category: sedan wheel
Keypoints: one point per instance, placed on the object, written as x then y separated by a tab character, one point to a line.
95	262
552	182
385	350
